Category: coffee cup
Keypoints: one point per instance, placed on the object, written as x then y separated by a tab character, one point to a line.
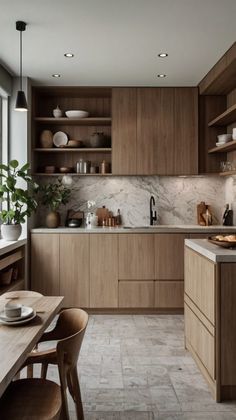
13	310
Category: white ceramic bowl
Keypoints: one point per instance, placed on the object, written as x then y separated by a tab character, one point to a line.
13	310
224	138
77	114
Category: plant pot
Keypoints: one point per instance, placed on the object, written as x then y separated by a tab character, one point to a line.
11	232
53	219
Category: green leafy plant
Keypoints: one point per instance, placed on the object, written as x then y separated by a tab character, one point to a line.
20	202
53	195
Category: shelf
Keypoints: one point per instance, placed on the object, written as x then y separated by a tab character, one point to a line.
227	173
74	149
74	121
14	285
69	173
227	147
226	118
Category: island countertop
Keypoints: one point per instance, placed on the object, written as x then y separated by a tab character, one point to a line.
213	252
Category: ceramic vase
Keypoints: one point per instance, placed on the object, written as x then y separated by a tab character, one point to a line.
53	219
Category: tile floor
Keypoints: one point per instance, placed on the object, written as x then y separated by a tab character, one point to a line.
134	367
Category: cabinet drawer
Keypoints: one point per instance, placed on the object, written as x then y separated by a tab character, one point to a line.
200	339
136	294
169	256
200	283
169	294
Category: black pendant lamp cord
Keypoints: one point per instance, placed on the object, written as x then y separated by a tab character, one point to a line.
20	60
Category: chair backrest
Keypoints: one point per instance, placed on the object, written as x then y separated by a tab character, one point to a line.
21	294
73	323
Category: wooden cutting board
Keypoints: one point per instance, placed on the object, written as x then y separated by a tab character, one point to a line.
102	213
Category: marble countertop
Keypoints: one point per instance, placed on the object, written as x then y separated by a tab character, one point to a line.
141	229
213	252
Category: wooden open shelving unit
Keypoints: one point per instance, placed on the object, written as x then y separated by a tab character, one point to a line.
16	259
74	121
226	118
228	173
72	150
227	147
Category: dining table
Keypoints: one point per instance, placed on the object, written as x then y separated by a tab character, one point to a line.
17	341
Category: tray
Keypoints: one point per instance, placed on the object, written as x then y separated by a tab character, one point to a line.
223	244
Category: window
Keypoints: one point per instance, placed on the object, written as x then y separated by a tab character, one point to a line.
3	130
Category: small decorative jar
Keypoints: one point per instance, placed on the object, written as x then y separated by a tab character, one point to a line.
46	139
57	112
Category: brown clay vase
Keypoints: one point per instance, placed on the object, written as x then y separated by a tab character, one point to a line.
46	139
53	219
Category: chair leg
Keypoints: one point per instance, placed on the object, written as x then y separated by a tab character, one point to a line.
44	369
30	371
76	394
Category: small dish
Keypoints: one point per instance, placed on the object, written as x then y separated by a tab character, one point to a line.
220	143
20	322
65	169
60	139
49	169
26	312
77	114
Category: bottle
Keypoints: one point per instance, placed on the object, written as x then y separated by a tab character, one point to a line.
228	216
57	112
103	167
118	218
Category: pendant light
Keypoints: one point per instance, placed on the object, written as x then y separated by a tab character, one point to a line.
21	104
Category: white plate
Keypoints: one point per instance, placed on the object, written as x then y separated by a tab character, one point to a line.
26	311
60	139
220	143
21	322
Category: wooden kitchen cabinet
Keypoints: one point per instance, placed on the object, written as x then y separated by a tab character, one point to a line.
169	256
136	256
136	294
124	131
103	262
169	294
45	264
155	131
74	269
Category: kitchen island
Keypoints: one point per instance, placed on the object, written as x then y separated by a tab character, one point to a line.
210	313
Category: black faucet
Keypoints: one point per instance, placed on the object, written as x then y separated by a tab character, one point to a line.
153	213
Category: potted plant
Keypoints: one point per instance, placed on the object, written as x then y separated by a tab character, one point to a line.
52	196
20	202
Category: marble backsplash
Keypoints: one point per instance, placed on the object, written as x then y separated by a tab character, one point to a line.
176	197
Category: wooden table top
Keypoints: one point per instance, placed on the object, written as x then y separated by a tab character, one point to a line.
16	342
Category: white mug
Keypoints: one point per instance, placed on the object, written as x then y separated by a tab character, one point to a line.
234	134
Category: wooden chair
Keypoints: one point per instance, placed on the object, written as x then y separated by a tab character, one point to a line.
31	399
69	332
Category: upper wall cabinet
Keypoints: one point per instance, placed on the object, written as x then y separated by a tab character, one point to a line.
167	131
124	131
154	131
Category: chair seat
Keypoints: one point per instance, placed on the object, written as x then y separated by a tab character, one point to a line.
31	399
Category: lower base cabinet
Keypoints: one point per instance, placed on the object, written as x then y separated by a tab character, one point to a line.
136	294
169	294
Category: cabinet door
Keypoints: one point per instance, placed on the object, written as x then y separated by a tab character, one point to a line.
169	256
136	256
169	294
136	294
155	131
74	269
45	263
103	271
185	146
124	118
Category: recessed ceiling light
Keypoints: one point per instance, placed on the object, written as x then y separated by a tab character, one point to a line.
161	75
162	55
56	75
69	55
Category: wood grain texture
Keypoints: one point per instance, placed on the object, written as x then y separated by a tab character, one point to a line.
169	294
169	256
74	269
228	323
201	340
45	263
209	108
103	271
200	283
136	294
124	131
136	257
185	147
16	343
155	131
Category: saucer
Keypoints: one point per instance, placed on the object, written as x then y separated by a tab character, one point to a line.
26	312
21	322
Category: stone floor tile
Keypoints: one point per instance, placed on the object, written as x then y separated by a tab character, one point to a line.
165	399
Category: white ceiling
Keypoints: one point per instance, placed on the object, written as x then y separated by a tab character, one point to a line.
116	42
